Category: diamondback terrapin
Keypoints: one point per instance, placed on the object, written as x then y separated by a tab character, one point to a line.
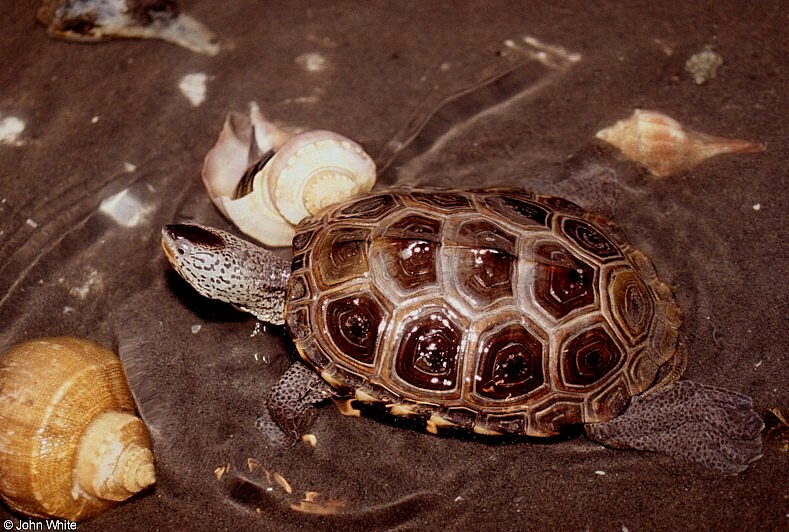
494	311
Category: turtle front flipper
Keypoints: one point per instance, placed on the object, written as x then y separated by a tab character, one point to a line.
291	404
712	426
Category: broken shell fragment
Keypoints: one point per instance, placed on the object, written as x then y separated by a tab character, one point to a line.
266	181
100	20
664	147
703	65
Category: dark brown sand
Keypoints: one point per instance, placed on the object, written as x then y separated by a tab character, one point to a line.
717	234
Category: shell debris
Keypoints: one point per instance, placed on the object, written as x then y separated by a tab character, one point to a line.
11	128
100	20
126	208
703	66
253	464
312	62
220	471
193	87
311	504
283	483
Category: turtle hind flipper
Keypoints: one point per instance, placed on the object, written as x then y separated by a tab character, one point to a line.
291	405
712	426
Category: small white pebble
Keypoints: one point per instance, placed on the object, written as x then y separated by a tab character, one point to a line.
458	498
94	120
193	87
196	328
703	65
599	472
125	208
129	167
10	129
312	62
758	364
757	206
31	222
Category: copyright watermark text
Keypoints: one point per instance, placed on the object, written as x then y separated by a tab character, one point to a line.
43	524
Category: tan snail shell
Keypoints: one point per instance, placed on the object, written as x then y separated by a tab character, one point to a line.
306	173
71	445
664	147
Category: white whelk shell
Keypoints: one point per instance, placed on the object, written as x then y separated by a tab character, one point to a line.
664	147
266	196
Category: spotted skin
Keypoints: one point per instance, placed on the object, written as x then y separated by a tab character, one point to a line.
290	407
712	426
221	266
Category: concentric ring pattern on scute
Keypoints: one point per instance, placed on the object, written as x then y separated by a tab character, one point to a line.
497	311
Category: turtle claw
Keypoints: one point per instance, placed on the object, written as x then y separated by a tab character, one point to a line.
291	405
712	426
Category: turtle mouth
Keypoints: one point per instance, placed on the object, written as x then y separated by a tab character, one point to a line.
168	244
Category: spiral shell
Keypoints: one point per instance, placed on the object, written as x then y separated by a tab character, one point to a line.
71	445
295	177
664	147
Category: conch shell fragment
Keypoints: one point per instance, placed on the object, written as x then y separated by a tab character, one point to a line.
266	181
99	20
664	147
71	445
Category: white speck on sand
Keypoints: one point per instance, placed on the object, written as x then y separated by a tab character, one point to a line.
193	87
312	62
757	206
196	328
81	292
125	208
10	129
703	65
31	222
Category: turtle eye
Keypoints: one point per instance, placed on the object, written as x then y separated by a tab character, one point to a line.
183	246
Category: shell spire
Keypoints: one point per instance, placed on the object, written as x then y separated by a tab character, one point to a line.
266	181
664	147
114	460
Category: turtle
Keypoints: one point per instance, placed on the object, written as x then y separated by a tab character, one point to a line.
498	312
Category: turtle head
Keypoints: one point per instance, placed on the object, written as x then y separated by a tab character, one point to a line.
222	266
